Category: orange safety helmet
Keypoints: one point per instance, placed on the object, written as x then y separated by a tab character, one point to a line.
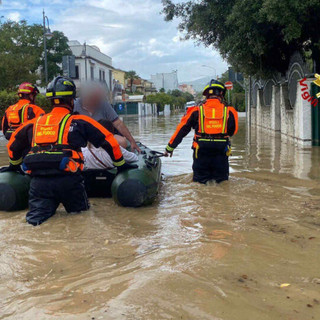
27	88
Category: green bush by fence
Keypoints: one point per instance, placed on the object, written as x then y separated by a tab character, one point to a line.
9	98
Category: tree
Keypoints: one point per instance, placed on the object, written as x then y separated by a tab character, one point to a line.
257	37
131	75
21	53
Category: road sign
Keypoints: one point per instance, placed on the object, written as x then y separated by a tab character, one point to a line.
229	85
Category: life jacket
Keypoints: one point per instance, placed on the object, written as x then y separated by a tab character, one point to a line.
17	114
212	131
50	152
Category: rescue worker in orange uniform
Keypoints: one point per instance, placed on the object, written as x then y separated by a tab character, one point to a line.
213	122
55	160
23	111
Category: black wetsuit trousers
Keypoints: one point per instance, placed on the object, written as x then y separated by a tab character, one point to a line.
210	165
47	192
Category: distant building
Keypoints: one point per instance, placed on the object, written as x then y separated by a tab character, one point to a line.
91	64
167	81
120	76
141	85
187	88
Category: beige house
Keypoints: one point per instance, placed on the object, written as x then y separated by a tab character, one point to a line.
119	75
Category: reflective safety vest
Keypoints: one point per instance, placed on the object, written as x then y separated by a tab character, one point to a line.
50	149
213	117
17	114
212	133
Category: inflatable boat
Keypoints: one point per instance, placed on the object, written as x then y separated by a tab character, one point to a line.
131	188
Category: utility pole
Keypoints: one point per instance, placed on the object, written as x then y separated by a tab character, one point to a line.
214	69
46	35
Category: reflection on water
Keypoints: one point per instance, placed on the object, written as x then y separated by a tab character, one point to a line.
200	252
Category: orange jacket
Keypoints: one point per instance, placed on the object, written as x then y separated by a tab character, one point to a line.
59	136
213	119
18	114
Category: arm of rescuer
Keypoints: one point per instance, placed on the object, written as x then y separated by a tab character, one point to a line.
232	124
187	122
34	111
4	124
99	136
20	144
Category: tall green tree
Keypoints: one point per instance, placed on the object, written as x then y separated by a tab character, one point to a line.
22	56
257	37
131	76
19	53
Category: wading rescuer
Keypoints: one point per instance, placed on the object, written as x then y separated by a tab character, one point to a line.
214	122
54	157
23	111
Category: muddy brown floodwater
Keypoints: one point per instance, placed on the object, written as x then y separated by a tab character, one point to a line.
199	252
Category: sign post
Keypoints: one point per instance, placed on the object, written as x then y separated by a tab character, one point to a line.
229	86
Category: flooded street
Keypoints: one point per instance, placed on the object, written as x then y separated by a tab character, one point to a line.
200	252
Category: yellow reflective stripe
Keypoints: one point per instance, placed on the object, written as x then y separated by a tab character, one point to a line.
24	90
170	149
213	85
48	152
119	163
215	140
15	162
22	112
197	149
60	93
224	119
201	119
217	85
63	125
34	132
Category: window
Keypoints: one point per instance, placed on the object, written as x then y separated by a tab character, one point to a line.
102	75
92	72
77	72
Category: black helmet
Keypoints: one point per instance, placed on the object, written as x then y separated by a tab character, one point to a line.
215	88
61	88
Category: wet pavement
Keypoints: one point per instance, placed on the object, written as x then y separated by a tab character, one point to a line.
246	249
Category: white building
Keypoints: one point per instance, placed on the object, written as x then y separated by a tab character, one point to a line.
167	81
91	64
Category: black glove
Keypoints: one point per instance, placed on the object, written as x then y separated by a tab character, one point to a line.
12	168
127	166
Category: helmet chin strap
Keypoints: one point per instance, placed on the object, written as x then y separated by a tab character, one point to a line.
57	103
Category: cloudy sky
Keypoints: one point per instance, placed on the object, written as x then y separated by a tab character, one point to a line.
132	32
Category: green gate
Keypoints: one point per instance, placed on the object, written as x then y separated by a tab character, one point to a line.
126	108
315	117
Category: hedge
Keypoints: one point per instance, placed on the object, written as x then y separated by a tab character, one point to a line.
9	98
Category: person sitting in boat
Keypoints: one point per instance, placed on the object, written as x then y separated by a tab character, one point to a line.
93	102
98	158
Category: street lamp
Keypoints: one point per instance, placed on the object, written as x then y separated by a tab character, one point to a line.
46	35
84	56
215	71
